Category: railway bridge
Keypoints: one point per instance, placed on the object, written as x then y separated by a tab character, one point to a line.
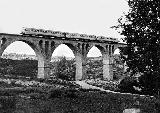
45	46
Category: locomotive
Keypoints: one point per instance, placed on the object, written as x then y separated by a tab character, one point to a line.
59	34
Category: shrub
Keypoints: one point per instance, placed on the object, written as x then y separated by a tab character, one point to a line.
148	86
94	69
127	85
70	93
55	93
110	86
64	69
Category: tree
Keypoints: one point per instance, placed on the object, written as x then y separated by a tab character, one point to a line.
141	28
118	68
65	69
94	69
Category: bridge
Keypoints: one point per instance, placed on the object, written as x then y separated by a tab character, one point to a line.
45	46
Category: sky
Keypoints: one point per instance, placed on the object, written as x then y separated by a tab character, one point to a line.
92	17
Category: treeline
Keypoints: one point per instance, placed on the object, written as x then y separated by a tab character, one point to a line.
15	68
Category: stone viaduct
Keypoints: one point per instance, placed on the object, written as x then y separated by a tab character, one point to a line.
45	46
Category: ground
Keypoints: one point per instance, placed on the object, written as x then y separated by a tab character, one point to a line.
68	97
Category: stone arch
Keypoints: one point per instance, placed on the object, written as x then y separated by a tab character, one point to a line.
95	68
43	68
31	44
6	42
56	49
120	50
70	46
119	47
101	48
94	49
116	51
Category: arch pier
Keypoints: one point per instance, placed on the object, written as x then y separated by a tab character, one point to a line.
45	46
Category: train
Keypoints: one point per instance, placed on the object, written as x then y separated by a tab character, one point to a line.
59	34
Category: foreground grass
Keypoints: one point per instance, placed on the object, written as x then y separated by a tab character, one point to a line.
66	97
71	101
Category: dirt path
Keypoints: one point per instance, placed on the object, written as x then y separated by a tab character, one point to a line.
84	85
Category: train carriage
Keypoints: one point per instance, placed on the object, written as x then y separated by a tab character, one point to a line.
102	38
72	35
59	34
41	32
91	37
83	36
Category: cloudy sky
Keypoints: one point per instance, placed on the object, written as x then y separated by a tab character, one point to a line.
75	16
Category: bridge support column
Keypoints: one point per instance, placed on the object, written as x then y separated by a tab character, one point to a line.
43	68
80	66
107	67
84	68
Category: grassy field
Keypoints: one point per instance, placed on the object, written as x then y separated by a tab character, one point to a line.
78	102
70	98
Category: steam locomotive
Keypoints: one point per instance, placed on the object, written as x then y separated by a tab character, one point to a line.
59	34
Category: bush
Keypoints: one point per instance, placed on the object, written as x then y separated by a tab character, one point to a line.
110	86
127	85
64	69
55	93
148	86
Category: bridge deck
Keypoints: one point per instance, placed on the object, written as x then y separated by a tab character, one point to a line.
60	38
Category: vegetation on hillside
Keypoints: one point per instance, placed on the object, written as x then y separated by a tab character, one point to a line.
19	68
94	69
60	70
63	68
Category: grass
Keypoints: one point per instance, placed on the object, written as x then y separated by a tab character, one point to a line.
69	98
63	101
